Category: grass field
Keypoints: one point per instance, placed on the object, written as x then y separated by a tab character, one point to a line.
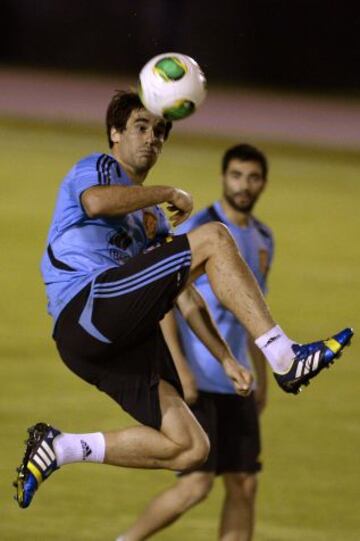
309	487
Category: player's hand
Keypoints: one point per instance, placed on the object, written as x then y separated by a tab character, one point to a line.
180	205
190	388
242	379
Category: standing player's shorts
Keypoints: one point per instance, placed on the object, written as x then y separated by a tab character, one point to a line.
232	424
109	333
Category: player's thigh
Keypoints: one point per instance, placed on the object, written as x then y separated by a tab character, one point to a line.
178	422
130	375
204	241
126	302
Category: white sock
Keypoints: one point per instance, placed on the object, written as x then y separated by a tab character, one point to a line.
71	448
276	347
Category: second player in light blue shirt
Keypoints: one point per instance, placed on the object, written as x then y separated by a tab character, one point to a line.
255	242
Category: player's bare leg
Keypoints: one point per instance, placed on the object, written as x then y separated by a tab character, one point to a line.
214	251
168	506
238	512
180	444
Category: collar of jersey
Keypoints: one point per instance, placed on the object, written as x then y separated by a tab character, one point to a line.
225	219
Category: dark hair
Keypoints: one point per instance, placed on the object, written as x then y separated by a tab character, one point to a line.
245	153
119	109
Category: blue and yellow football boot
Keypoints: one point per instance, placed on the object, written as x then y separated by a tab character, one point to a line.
310	359
38	464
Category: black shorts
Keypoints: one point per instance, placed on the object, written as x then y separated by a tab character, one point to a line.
109	333
232	424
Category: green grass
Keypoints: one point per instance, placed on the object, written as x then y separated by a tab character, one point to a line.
309	487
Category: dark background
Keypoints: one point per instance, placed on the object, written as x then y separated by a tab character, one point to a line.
306	44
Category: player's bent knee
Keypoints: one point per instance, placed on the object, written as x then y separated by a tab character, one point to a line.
208	239
214	232
199	454
195	456
210	233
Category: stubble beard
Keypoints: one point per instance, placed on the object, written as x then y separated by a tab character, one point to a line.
246	208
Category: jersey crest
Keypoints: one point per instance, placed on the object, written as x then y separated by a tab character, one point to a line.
150	224
263	261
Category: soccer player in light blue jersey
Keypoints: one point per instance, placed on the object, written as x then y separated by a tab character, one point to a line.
112	270
231	421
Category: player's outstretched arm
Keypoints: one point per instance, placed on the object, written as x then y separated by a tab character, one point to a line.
111	201
196	313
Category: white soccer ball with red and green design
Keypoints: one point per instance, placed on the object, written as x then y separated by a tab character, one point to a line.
172	85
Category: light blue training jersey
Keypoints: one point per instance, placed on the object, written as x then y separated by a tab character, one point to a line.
80	248
256	246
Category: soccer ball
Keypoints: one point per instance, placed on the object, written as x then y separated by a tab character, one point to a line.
172	86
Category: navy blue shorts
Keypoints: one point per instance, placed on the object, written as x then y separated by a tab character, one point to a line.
232	424
109	333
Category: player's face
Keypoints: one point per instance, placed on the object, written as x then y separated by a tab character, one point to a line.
243	182
141	142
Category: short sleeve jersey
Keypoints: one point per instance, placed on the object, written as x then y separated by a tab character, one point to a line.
256	246
80	248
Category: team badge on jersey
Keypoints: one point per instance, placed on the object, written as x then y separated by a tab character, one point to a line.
263	261
150	224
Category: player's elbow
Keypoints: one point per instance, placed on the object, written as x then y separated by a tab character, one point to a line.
92	204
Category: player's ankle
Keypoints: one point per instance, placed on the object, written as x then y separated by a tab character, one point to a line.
277	348
70	448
